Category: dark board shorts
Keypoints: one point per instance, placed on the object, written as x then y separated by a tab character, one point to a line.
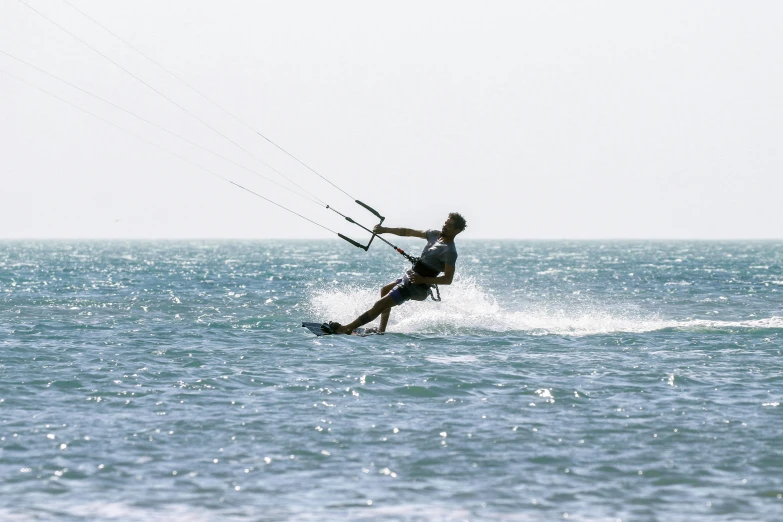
405	290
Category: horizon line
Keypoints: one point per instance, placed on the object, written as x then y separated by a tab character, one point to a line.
9	239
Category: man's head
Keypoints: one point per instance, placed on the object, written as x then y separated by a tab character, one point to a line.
454	224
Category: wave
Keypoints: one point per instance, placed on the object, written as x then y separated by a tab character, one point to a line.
467	309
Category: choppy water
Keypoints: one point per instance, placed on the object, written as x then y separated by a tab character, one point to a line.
556	380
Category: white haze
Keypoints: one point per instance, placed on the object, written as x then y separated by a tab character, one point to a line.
609	119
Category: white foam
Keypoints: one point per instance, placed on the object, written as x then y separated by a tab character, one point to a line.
116	511
469	309
456	359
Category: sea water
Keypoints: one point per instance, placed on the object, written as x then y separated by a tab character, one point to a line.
556	380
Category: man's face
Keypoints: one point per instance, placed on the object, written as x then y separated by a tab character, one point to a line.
449	229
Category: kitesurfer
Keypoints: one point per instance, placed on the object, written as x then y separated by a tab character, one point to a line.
439	255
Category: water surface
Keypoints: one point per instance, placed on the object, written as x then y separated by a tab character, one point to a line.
556	380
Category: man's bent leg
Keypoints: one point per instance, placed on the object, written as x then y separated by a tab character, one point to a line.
379	306
385	314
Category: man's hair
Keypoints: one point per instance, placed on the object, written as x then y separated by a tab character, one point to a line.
459	221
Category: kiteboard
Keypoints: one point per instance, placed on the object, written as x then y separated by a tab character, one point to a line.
319	330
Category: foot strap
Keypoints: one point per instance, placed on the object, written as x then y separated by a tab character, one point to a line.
331	327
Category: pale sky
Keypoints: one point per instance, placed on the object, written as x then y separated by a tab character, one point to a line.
579	120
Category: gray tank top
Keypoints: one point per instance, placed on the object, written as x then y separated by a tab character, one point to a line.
438	254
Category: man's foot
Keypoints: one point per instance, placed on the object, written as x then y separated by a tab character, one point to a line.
333	327
340	329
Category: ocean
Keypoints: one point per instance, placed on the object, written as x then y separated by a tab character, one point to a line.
556	380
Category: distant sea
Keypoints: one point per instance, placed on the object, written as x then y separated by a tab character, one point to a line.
588	381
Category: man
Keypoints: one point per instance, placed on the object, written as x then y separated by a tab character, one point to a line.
440	255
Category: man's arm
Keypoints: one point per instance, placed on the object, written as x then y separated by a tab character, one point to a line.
445	279
409	232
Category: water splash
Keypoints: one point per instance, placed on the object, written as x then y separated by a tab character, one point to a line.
468	309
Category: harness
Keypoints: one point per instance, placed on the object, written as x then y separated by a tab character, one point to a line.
425	270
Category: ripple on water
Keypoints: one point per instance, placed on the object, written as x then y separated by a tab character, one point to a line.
600	380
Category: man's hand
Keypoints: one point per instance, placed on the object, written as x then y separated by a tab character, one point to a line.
379	229
417	279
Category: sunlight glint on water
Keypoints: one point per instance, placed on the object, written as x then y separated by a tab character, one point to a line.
159	381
